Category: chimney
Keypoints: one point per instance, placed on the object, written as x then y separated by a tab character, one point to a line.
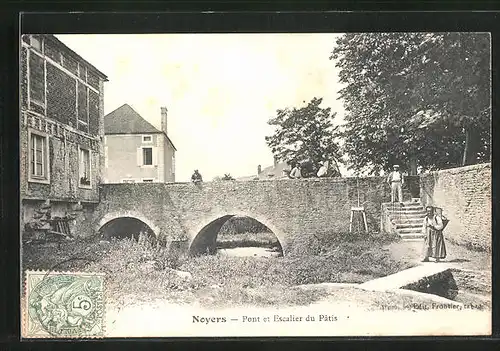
259	169
164	119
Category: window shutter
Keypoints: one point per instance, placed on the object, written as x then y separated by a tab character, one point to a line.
80	156
139	156
154	152
106	157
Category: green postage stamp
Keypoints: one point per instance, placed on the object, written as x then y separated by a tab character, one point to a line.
63	305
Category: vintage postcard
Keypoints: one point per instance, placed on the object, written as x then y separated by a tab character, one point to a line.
235	185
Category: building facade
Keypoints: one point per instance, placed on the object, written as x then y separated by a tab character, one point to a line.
61	132
136	151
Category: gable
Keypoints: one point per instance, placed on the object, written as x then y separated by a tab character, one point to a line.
125	120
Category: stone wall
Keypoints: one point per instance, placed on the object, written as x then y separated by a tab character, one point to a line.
290	208
464	194
63	168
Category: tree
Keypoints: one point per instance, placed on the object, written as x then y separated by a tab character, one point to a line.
414	98
305	134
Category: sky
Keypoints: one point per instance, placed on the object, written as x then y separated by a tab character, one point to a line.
220	89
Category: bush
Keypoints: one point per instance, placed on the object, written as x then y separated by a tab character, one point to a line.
226	241
238	224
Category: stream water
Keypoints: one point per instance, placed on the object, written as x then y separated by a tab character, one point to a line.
248	252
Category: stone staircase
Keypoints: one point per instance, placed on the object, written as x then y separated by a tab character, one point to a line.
405	219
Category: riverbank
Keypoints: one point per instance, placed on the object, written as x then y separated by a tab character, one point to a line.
148	272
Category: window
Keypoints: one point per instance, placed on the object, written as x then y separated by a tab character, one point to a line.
148	180
84	168
37	79
147	156
147	139
39	165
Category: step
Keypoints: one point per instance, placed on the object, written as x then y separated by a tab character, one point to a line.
413	239
411	235
404	205
409	213
415	226
406	210
411	207
409	231
407	220
406	216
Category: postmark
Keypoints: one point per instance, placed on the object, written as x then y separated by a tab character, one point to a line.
64	305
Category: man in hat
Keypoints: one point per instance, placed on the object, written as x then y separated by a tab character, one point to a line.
396	181
196	177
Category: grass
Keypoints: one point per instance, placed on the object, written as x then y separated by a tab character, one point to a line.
145	271
232	240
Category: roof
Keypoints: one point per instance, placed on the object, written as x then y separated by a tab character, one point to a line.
125	120
56	41
271	172
274	171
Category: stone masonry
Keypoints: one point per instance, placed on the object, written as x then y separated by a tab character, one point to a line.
289	208
464	194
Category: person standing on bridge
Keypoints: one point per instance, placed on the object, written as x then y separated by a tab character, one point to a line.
295	173
432	228
396	181
323	170
196	178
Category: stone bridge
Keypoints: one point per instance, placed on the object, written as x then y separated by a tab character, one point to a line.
292	209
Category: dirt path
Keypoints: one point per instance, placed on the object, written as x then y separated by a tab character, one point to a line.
411	252
346	311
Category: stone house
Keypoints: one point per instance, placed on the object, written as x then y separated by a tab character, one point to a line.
136	151
61	130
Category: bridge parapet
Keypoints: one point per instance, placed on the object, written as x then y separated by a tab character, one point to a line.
289	207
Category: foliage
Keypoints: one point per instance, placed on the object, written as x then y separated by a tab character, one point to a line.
139	270
243	224
227	176
255	239
414	96
304	134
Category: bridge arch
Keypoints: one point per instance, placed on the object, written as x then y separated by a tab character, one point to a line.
205	233
130	217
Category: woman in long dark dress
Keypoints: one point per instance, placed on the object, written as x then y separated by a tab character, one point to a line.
432	228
